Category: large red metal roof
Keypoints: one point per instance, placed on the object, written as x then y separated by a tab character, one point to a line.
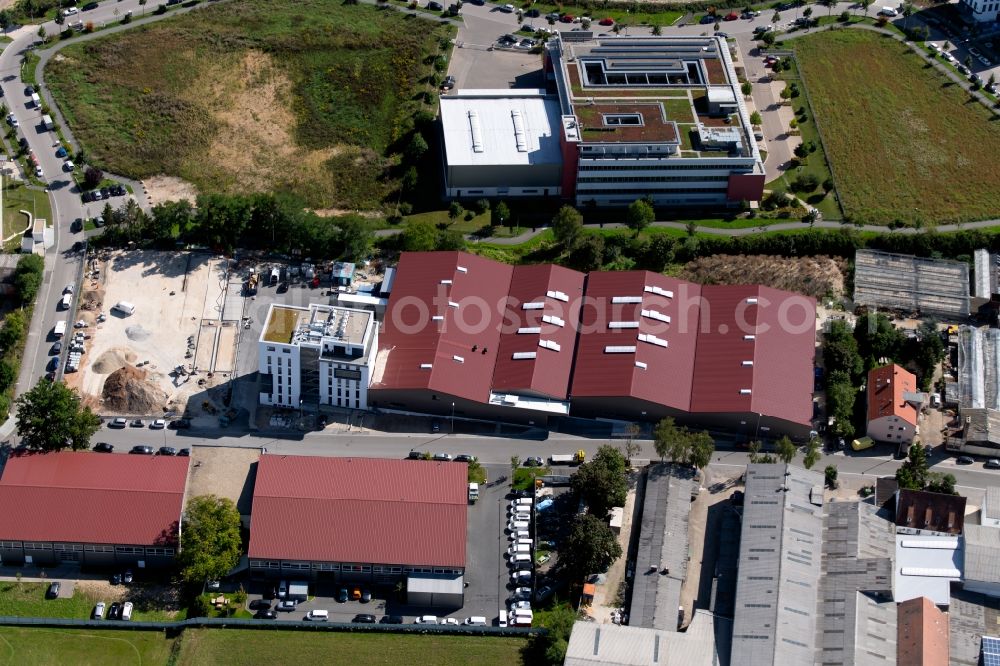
470	304
558	290
363	510
654	372
85	497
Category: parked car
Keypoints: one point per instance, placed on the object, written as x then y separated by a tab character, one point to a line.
342	595
260	604
53	590
391	619
98	613
533	461
522	593
465	457
434	6
115	611
167	451
287	605
180	424
435	426
415	455
184	453
56	348
426	619
607	21
127	576
265	614
356	594
364	618
158	424
366	596
444	457
142	450
104	447
116	579
39	173
448	83
318	615
964	460
126	613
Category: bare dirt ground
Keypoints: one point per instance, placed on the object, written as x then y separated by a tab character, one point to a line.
812	276
145	596
172	293
606	597
169	188
256	124
223	472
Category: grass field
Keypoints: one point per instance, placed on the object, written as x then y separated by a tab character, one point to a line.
236	646
28	600
904	142
18	198
20	646
302	96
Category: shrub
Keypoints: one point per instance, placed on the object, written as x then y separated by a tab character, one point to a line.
845	16
482	205
806	182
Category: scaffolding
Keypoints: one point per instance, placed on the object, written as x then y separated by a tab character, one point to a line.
982	284
911	284
978	368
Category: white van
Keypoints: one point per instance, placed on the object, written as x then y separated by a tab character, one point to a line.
521	560
124	307
521	617
475	621
502	618
318	615
67	300
36	100
519	548
127	610
525	542
516	525
520	535
522	501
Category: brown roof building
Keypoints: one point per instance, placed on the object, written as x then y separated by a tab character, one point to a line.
921	634
470	337
922	512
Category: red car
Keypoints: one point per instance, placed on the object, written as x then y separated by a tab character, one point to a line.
731	16
607	21
567	18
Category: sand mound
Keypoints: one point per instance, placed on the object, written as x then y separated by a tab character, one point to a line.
109	361
127	391
137	333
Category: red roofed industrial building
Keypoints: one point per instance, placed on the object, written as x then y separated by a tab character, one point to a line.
358	520
892	405
91	509
629	345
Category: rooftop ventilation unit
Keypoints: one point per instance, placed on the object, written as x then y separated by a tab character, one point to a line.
438	317
445	281
640	364
426	366
461	269
558	295
549	344
477	132
619	349
746	363
519	138
458	359
750	337
658	316
452	304
652	339
555	321
533	306
626	299
659	291
623	324
751	301
529	329
744	391
521	356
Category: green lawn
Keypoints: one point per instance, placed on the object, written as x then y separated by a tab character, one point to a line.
28	600
904	142
238	646
17	198
620	14
21	646
302	96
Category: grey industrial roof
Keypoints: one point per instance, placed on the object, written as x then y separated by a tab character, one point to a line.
981	262
970	616
703	644
778	582
991	503
978	368
982	547
906	282
435	584
663	544
982	426
925	566
858	615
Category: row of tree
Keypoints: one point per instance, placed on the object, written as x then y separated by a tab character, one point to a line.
276	222
785	450
27	279
915	474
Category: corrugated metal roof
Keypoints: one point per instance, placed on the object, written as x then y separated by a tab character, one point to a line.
981	547
705	643
85	497
359	510
560	289
886	386
412	337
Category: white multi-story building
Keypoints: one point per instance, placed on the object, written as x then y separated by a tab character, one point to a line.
981	11
314	356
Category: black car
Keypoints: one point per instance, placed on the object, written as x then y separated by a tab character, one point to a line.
435	6
53	591
364	618
29	90
85	197
532	13
391	619
77	226
465	457
342	595
90	5
56	348
964	460
167	451
53	364
283	287
260	604
415	455
142	450
184	453
106	192
266	614
116	579
180	424
136	423
449	83
104	447
115	611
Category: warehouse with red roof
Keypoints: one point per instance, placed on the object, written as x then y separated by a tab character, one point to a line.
358	520
469	337
94	509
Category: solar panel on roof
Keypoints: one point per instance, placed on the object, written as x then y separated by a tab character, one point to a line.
991	651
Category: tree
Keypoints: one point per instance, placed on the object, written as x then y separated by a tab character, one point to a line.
746	88
840	394
768	38
840	349
419	236
8	374
142	3
357	237
591	547
812	453
639	215
515	462
417	148
669	441
476	472
51	417
807	13
92	177
14	326
455	210
601	482
941	483
588	254
657	30
41	33
567	226
912	474
865	4
631	446
758	458
500	214
702	448
755	118
829	4
210	540
830	474
877	339
785	449
450	239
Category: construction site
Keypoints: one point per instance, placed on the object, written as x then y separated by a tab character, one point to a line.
179	342
911	285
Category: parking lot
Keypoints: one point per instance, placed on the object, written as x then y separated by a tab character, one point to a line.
475	66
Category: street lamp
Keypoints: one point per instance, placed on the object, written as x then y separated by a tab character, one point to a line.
453	418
